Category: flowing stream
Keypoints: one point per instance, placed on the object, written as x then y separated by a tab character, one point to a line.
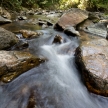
54	84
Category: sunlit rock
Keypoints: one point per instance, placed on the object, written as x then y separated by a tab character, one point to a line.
14	63
7	39
92	58
71	18
29	34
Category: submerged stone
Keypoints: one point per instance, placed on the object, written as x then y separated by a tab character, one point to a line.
32	101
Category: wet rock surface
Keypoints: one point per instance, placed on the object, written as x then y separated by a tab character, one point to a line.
92	58
14	63
7	39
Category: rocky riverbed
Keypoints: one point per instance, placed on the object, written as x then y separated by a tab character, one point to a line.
49	58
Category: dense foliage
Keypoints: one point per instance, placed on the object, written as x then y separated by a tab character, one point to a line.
18	4
56	4
97	5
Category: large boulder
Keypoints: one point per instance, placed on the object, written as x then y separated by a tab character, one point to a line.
71	18
92	59
14	63
7	39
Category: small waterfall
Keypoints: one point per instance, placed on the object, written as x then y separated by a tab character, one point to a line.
54	84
